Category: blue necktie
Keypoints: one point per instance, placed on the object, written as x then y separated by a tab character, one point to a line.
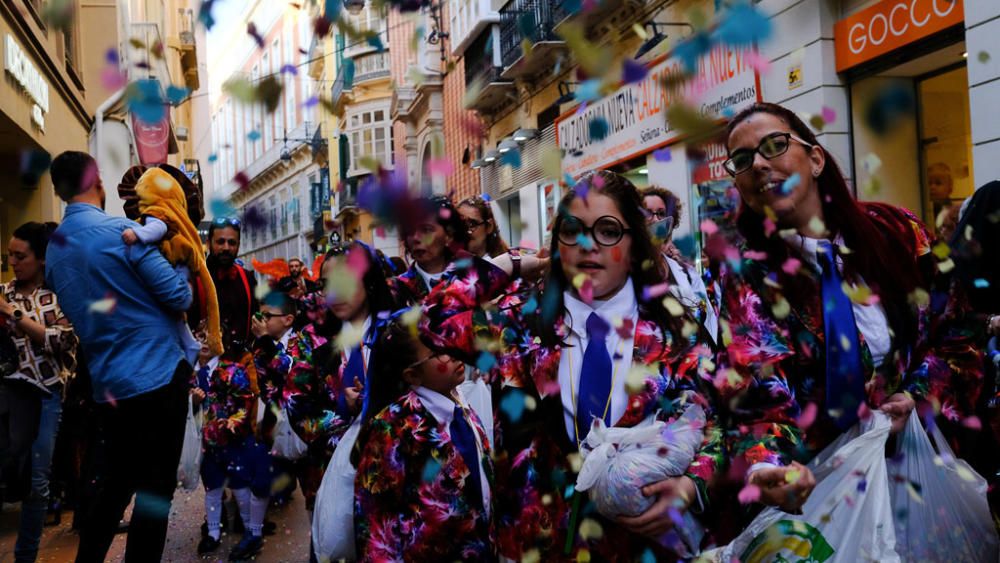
355	368
595	377
203	374
845	378
465	441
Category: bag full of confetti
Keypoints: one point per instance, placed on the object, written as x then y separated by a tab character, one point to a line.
847	518
618	462
939	502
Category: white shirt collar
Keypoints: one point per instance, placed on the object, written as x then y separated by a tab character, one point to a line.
622	305
430	279
212	363
441	408
285	338
808	246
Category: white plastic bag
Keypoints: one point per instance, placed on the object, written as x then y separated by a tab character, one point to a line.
287	443
940	503
618	462
189	469
333	518
848	516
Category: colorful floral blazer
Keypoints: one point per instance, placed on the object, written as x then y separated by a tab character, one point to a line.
534	454
771	369
409	501
230	405
408	288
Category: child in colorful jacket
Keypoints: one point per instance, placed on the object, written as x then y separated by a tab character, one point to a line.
423	487
225	387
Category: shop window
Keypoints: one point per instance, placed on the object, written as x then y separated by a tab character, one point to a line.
945	142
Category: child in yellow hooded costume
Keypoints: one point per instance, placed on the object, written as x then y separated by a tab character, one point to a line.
164	214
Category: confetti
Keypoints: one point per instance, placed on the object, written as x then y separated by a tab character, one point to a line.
177	94
253	136
983	57
144	100
103	306
440	167
743	26
511	158
749	494
598	128
252	32
709	227
633	71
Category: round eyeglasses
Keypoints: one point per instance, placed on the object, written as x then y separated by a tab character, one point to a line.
606	231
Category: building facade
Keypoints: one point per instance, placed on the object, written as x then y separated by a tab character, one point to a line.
264	164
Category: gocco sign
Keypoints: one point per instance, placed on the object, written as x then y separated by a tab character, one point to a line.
889	25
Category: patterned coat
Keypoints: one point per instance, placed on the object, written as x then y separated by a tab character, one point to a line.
229	406
534	453
771	368
409	288
409	501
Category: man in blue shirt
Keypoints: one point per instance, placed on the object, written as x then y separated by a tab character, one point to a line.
124	302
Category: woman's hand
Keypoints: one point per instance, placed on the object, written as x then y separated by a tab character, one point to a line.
787	488
898	407
197	396
6	309
676	492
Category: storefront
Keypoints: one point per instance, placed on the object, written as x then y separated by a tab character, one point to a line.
642	144
41	115
906	66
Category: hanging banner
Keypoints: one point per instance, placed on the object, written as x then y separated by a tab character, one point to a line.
152	139
636	114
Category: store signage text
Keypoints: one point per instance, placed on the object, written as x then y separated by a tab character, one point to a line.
636	113
27	77
889	25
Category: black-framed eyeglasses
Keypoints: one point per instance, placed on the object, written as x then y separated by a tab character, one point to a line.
473	225
606	231
771	146
659	214
268	316
227	222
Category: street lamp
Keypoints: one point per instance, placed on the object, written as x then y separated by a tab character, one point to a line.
286	153
523	134
507	145
491	156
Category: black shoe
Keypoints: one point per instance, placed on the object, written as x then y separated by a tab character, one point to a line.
208	544
248	547
270	527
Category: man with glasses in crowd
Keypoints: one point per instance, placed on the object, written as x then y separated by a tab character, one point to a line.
234	284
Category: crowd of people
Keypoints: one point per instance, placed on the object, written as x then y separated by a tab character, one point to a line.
461	398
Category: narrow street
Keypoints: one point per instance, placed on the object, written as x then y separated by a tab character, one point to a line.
290	543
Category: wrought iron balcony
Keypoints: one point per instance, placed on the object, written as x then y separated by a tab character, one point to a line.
540	18
371	67
483	73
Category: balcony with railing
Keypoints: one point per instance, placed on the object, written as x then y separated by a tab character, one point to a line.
370	22
371	67
598	17
468	19
337	91
487	89
539	18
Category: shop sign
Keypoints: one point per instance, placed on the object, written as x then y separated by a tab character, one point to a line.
725	82
889	25
795	76
152	140
20	67
709	167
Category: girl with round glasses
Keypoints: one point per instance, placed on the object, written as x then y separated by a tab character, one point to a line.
593	343
828	310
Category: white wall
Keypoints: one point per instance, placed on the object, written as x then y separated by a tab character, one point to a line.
982	27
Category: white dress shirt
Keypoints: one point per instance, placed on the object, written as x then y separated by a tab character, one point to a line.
620	306
870	319
443	410
366	351
430	279
689	289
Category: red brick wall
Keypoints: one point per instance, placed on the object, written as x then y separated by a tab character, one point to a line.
457	133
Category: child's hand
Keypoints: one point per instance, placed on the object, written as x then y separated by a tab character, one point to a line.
197	396
258	327
352	394
129	236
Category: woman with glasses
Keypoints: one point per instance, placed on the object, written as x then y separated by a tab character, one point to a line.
484	234
686	285
827	312
597	341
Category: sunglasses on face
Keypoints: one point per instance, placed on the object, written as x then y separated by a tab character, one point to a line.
770	147
606	231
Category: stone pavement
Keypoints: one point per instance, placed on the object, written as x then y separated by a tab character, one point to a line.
290	544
